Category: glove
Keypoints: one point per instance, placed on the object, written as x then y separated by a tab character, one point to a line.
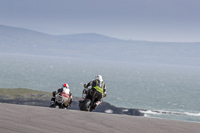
85	85
104	94
54	93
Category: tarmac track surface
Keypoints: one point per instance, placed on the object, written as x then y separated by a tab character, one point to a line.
33	119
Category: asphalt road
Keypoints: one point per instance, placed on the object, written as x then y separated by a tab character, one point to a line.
33	119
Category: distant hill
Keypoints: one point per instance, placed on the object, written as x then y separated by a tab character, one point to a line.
88	38
96	46
18	40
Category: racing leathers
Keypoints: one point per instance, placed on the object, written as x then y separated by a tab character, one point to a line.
60	90
100	88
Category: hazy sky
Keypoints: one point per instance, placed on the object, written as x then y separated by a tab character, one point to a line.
151	20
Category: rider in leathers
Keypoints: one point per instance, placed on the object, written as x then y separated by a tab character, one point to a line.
64	86
98	85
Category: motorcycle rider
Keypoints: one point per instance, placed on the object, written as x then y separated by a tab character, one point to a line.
98	85
64	86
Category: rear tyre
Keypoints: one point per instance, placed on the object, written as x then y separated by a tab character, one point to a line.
85	105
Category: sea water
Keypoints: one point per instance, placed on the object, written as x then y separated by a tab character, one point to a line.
159	90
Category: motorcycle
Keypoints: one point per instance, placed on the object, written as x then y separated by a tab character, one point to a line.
62	99
87	104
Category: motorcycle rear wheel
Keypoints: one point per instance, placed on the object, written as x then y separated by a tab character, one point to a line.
85	105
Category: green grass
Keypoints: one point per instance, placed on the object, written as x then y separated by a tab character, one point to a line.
14	93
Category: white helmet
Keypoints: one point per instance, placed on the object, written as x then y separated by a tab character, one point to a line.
99	77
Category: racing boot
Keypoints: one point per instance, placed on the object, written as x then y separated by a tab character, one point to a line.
96	104
52	103
70	102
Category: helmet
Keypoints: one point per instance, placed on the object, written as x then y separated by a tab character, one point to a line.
99	77
65	85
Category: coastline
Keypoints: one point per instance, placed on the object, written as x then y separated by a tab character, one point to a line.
40	98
